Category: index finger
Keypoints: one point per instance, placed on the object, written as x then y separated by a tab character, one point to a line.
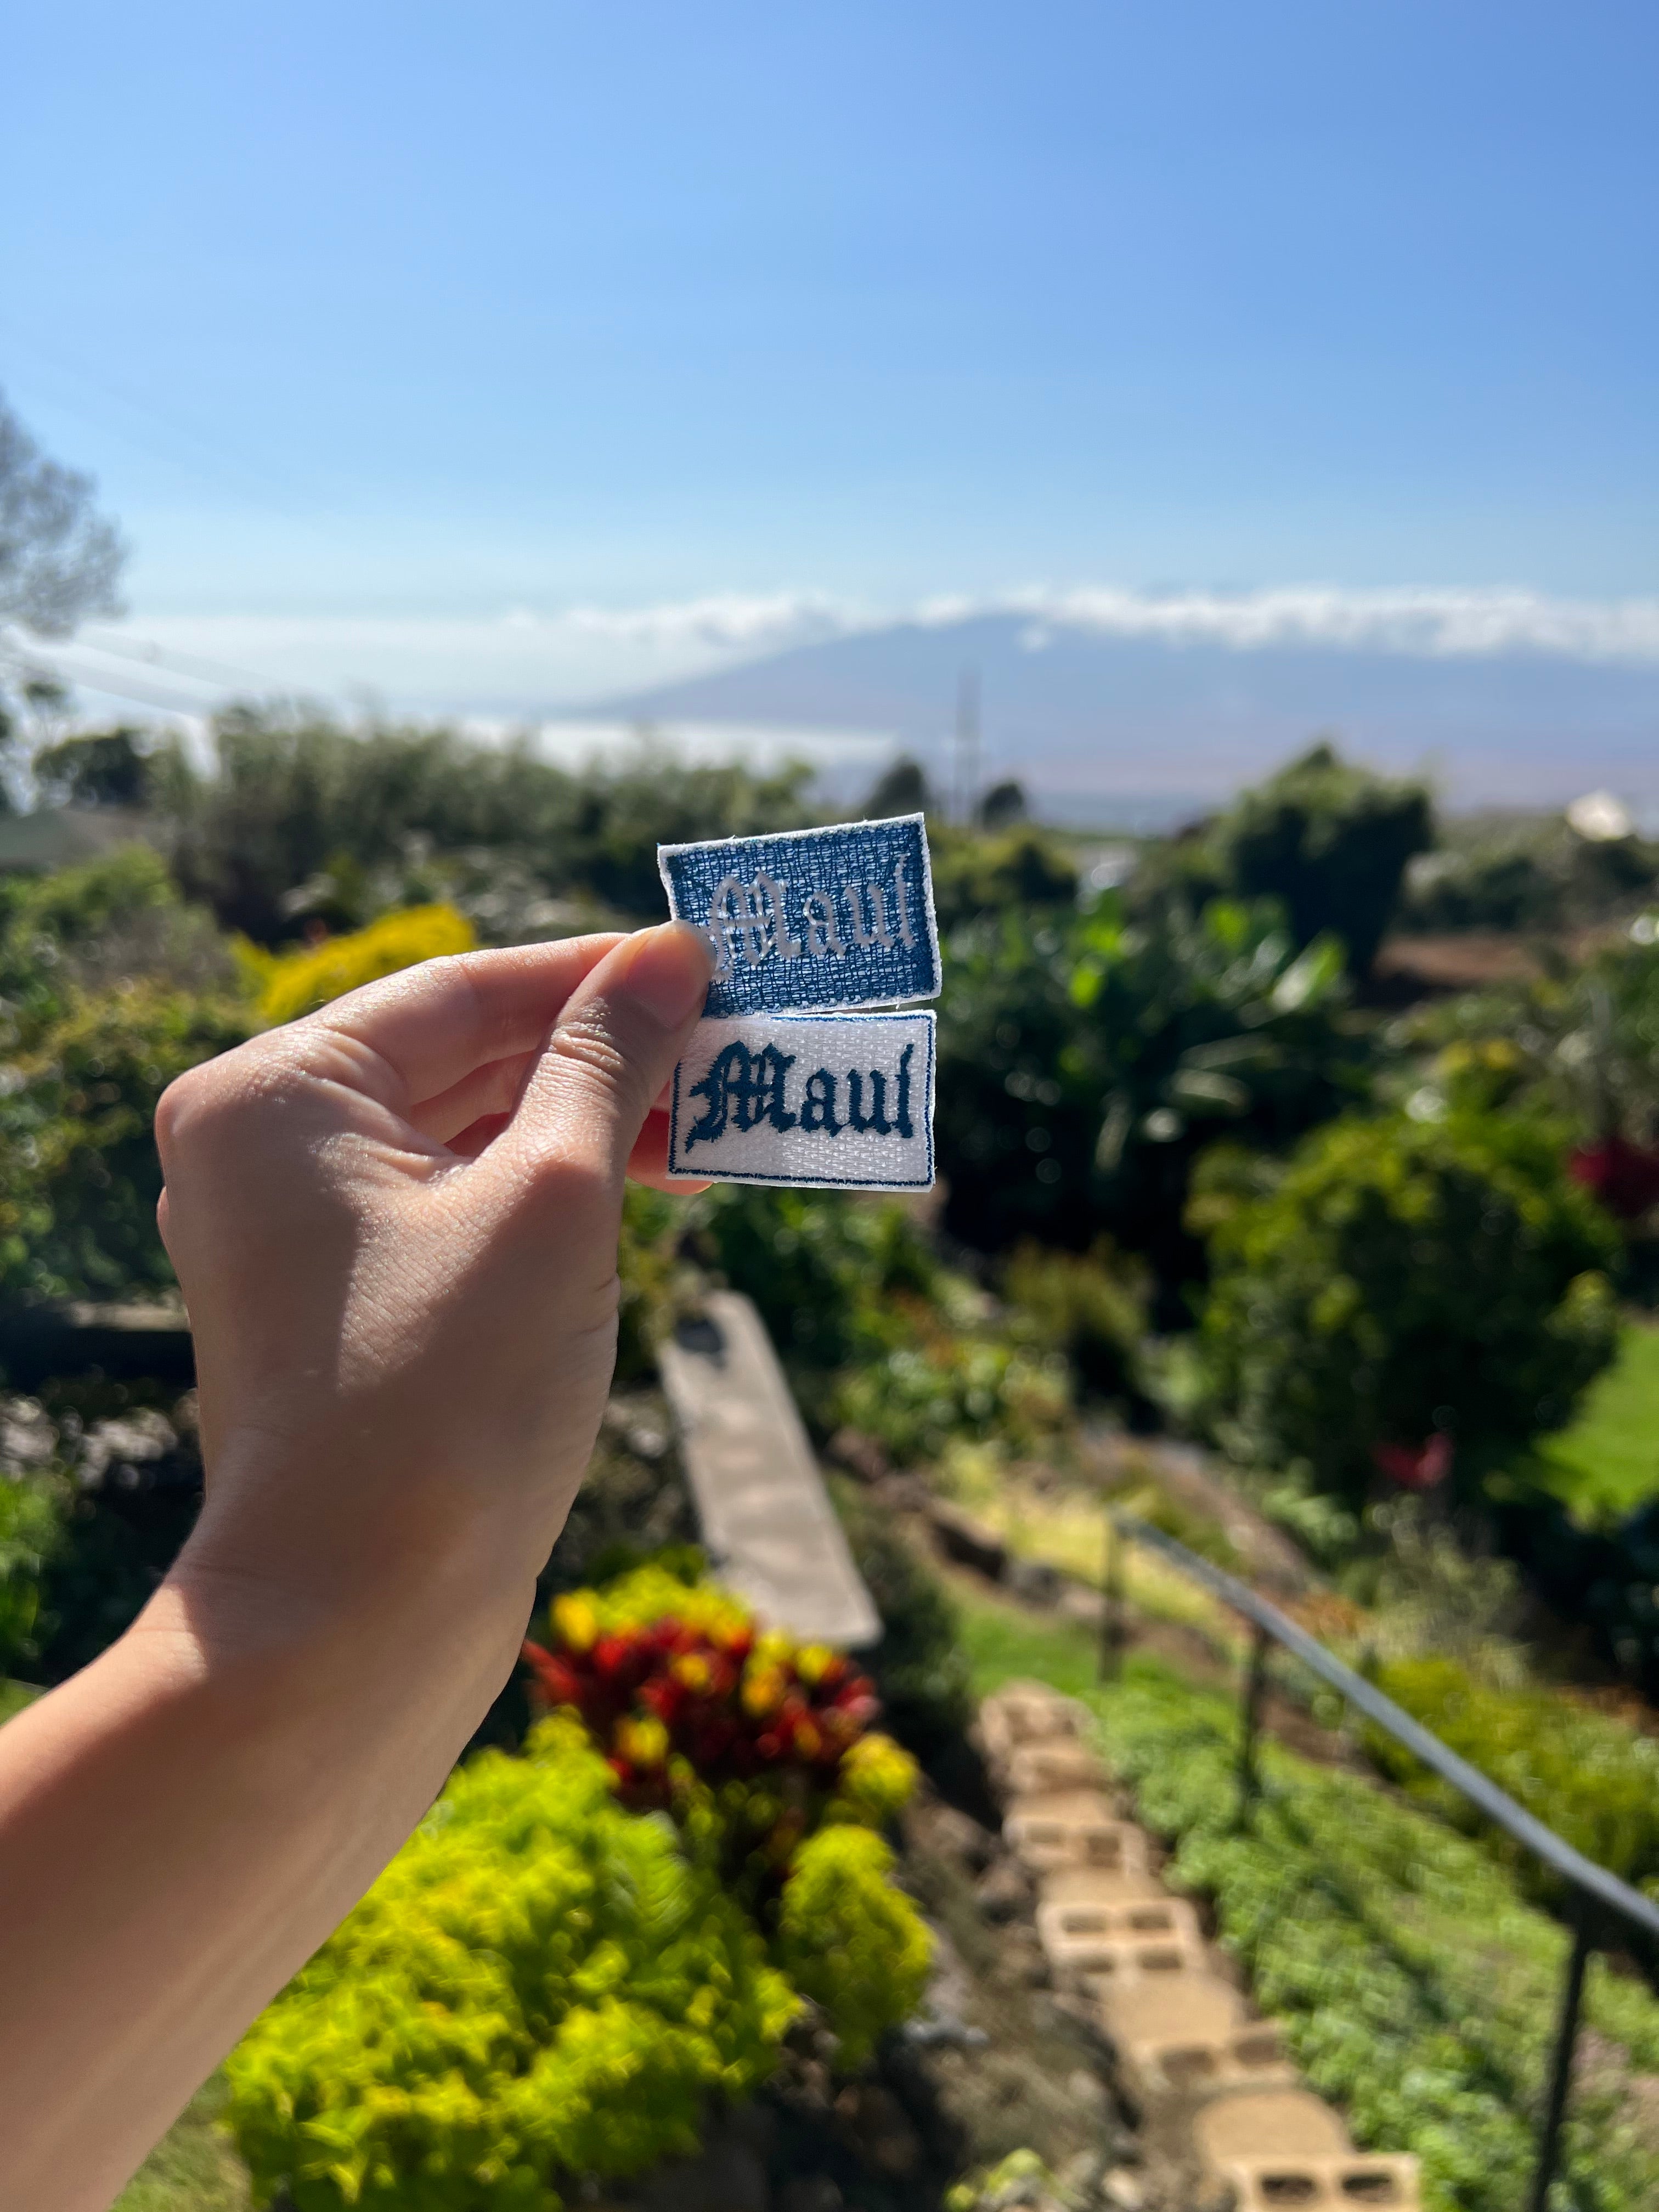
433	1025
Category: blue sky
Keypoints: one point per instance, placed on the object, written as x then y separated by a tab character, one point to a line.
426	316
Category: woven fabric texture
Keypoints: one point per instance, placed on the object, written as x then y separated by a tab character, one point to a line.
811	919
823	1101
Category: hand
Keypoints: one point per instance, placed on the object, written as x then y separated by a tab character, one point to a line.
396	1227
395	1223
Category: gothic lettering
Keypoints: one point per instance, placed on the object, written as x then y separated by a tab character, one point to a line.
818	1105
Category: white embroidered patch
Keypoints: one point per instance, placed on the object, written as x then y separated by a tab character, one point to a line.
823	1100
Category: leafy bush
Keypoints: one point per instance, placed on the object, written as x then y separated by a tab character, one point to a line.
918	1668
744	1732
1085	1063
974	874
539	1986
1332	841
79	1178
1593	1780
1409	1281
31	1528
294	984
1090	1308
292	798
851	1942
877	1333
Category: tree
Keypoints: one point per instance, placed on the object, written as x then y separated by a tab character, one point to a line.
900	789
1411	1300
105	767
59	559
1330	841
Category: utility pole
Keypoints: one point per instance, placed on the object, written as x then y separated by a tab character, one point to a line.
967	761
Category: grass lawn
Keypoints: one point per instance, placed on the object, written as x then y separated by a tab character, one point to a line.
1606	1463
194	2167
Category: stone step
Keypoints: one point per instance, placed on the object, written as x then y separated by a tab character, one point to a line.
1063	1763
1248	2058
1072	1828
1324	2184
1027	1712
1090	1945
1095	1885
1287	2125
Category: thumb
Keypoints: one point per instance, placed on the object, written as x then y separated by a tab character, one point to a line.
610	1054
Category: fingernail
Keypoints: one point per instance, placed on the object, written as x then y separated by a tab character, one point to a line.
668	971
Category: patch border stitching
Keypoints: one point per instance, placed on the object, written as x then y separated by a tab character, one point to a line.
673	1174
666	852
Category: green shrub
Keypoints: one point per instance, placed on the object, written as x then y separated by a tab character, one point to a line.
850	1941
539	1986
79	1177
920	1669
1408	1279
1090	1308
31	1529
1332	841
1592	1779
290	984
1085	1062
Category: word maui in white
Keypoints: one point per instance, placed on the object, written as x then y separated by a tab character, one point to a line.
811	919
815	1100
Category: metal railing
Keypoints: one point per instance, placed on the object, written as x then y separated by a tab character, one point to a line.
1596	1895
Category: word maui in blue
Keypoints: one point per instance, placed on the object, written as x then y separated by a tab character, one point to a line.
812	918
817	1100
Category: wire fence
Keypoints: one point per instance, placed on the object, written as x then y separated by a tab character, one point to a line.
1600	1899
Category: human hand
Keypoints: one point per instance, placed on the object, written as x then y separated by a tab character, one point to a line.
395	1223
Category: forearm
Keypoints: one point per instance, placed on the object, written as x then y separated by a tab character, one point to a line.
180	1826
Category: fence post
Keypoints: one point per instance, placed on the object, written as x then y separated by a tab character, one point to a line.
1256	1677
1566	2036
1112	1603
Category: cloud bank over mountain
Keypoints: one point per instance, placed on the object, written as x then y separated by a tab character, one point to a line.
1092	692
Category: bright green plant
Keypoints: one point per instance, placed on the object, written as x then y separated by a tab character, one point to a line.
850	1941
1592	1779
1408	1280
539	1986
31	1529
289	984
79	1178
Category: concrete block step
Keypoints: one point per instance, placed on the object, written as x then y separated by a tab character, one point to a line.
1062	1764
1158	2011
1071	1828
1096	1885
1115	1943
1326	2184
1286	2124
1027	1712
1246	2059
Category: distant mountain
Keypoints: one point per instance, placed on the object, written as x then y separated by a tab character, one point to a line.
1089	718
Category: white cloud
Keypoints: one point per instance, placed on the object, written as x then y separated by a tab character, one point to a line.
1434	623
526	663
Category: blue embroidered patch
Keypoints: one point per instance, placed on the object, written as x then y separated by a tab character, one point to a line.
821	1100
811	919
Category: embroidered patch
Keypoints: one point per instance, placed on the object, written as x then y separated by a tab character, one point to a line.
812	918
819	1100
